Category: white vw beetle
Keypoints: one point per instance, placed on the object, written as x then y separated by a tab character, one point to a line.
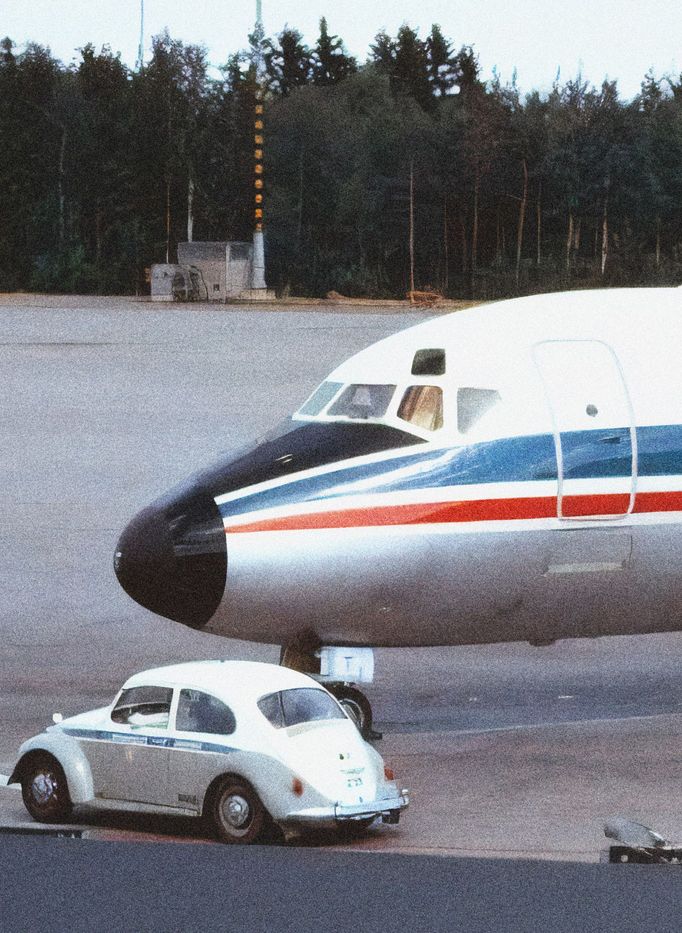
241	744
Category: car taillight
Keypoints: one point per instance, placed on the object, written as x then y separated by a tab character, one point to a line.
388	773
297	786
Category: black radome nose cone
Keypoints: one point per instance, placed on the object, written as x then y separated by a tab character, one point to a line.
172	558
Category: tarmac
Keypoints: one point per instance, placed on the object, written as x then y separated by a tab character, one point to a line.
509	751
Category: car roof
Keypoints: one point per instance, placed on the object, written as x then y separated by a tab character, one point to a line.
245	679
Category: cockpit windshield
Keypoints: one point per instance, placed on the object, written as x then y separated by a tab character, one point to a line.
418	406
361	402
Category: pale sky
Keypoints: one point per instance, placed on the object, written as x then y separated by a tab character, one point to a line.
620	39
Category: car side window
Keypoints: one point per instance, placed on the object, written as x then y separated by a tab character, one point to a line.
201	712
143	706
271	707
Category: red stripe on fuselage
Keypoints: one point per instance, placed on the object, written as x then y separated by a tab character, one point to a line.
477	510
419	513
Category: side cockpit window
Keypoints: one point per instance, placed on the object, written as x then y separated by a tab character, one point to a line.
423	407
320	397
472	404
361	402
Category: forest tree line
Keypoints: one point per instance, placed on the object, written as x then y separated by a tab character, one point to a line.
103	170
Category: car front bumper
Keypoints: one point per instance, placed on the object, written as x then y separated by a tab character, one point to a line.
388	808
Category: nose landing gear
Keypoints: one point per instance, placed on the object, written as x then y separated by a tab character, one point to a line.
357	706
339	669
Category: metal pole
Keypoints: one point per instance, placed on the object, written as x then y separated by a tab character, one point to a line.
140	48
258	271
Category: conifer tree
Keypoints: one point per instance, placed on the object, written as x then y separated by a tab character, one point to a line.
288	64
442	64
330	61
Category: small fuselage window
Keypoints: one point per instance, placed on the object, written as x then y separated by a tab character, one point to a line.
302	704
143	706
201	712
362	401
423	407
429	362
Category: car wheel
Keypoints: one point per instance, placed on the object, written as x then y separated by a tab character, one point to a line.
356	705
45	791
237	814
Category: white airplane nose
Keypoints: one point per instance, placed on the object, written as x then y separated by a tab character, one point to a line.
172	558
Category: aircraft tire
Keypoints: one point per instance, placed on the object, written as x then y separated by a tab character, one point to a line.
356	704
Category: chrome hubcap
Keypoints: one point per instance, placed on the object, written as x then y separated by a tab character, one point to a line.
236	811
43	788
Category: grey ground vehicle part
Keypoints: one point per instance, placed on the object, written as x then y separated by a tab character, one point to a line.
352	829
44	789
235	812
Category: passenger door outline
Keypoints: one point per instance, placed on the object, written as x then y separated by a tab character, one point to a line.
556	361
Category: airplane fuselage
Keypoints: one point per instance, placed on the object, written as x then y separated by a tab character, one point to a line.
509	472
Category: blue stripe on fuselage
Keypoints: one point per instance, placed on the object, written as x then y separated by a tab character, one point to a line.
587	454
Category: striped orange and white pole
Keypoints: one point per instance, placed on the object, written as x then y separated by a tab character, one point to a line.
258	160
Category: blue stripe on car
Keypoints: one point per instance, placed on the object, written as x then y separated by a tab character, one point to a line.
162	741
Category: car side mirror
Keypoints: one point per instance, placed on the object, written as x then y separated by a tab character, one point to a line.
57	718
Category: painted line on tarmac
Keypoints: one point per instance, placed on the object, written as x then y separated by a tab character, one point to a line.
4	778
597	721
519	726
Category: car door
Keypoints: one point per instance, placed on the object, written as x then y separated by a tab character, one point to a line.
129	759
201	746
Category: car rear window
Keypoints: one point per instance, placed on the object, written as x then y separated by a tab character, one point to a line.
302	704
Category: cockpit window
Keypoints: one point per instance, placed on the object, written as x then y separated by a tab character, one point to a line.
423	407
472	404
320	397
363	401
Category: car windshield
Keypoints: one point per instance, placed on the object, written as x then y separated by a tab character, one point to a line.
302	704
